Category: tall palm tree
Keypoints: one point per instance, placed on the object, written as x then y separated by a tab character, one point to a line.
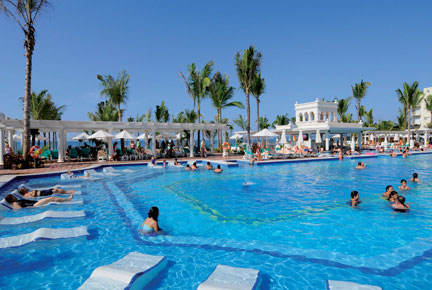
220	94
410	97
197	84
281	120
162	113
369	118
428	103
402	119
263	123
343	107
106	111
25	13
385	125
257	89
241	122
248	66
359	92
116	90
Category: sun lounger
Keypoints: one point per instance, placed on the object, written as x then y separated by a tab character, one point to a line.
41	216
134	271
4	205
344	285
232	278
43	234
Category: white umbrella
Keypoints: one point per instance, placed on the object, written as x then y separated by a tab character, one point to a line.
144	135
318	137
179	136
82	136
164	136
100	135
336	136
124	135
396	137
265	133
283	139
17	137
40	138
236	136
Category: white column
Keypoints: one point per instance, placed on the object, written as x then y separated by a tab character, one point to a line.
425	138
352	142
191	144
224	153
154	143
211	141
360	137
146	140
61	146
11	139
110	146
385	142
327	141
2	145
300	138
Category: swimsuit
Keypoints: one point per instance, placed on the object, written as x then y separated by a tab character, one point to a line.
26	202
147	228
46	192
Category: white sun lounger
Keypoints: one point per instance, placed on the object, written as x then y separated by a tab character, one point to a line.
113	170
49	187
345	285
41	216
134	271
232	278
5	205
42	234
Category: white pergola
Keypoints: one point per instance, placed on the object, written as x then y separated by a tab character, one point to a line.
401	135
8	127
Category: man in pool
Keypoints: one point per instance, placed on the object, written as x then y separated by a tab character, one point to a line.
415	178
355	198
389	189
188	168
21	203
403	185
400	205
194	166
360	165
208	166
25	192
218	169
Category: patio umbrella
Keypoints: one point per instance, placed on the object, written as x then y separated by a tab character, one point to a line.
396	137
179	136
144	135
82	136
235	137
100	135
283	139
265	133
318	137
124	135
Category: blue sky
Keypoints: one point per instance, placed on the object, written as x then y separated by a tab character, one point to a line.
311	49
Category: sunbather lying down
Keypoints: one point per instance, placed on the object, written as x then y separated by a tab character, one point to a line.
24	191
21	203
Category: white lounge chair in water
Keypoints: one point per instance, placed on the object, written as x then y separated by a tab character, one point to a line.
134	271
232	278
345	285
41	216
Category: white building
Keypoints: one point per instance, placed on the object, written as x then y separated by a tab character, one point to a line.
422	117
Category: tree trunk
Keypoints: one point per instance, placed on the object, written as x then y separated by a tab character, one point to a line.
358	110
248	116
199	122
27	94
49	140
258	123
409	124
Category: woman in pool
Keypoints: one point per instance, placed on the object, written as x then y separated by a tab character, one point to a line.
360	165
194	166
389	190
403	185
151	223
21	203
25	192
208	166
188	168
218	169
415	178
393	196
355	198
400	205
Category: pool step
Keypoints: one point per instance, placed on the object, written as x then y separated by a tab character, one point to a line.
232	278
133	271
346	285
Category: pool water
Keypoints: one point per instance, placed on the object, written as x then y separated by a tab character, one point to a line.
290	221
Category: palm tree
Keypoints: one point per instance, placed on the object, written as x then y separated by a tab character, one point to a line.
385	125
369	118
106	111
359	92
402	119
248	66
25	13
148	116
257	90
186	116
342	108
263	123
428	103
115	90
410	97
240	122
220	94
162	113
281	120
197	84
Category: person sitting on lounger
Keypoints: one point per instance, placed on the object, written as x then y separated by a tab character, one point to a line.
360	165
403	185
415	178
218	169
208	166
21	203
400	205
194	166
151	222
389	189
355	198
25	192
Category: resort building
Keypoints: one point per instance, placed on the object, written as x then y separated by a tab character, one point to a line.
422	117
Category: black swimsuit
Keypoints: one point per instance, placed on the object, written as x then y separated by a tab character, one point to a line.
46	192
26	202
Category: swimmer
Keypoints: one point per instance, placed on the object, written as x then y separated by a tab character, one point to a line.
404	154
360	165
218	169
188	168
415	178
25	192
164	164
393	154
355	198
176	162
393	196
21	203
151	222
153	160
340	155
389	189
194	166
403	185
400	205
208	166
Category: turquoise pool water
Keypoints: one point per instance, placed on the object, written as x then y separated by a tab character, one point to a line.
291	222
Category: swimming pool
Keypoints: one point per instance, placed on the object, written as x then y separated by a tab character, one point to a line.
291	222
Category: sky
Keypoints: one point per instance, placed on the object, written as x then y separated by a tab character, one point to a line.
311	49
